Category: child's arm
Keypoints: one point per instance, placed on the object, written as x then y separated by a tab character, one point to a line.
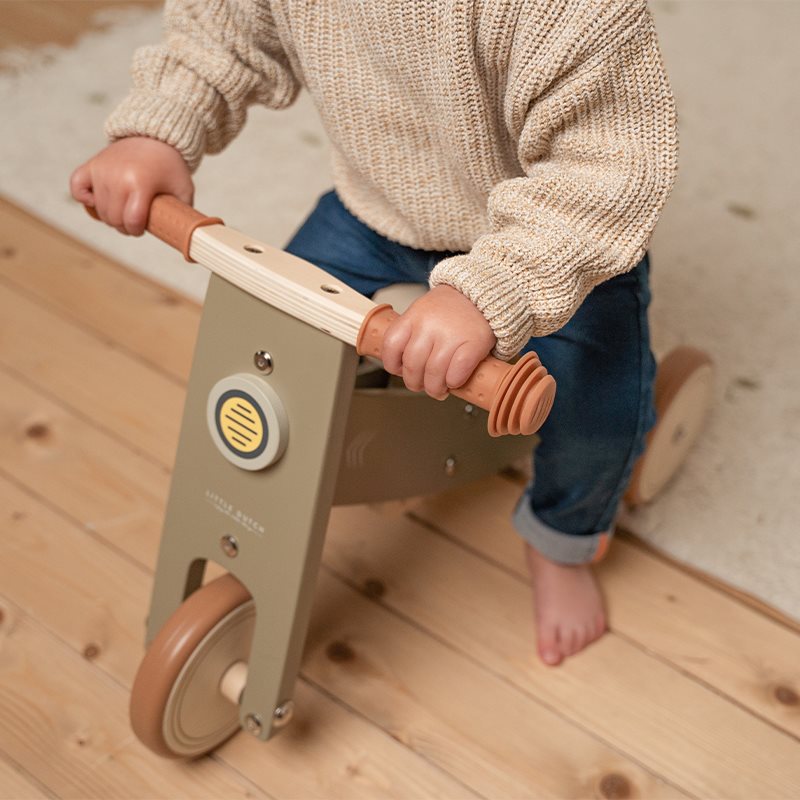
597	140
190	97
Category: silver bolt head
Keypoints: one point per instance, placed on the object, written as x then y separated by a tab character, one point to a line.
229	545
282	714
263	361
252	724
450	467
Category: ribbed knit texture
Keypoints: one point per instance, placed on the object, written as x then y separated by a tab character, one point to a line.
538	136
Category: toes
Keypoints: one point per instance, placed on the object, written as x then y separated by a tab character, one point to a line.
567	635
574	641
600	625
567	642
595	628
549	647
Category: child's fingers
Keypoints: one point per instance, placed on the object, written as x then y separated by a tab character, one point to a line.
116	210
415	357
186	195
466	357
435	372
110	204
101	201
394	342
134	216
80	185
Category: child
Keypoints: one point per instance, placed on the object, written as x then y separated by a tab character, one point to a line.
514	154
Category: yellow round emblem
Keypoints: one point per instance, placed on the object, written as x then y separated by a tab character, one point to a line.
240	423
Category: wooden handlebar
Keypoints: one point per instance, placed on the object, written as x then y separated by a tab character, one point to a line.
517	396
173	222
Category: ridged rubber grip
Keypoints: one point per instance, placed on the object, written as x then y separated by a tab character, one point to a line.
173	221
517	396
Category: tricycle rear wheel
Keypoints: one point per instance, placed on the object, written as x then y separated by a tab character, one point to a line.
683	393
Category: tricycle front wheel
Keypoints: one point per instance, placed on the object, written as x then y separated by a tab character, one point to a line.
177	708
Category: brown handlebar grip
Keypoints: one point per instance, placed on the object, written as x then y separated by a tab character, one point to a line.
517	396
173	222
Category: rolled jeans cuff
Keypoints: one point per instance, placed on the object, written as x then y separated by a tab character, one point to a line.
563	548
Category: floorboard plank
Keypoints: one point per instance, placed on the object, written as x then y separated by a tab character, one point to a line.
17	785
150	321
119	393
110	490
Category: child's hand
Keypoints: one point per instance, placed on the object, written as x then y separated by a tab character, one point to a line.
121	181
437	343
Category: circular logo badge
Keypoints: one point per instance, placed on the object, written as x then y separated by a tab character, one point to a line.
247	421
241	423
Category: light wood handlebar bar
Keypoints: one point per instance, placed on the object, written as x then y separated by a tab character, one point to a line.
517	396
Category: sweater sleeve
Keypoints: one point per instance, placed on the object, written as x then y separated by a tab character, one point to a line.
598	147
192	90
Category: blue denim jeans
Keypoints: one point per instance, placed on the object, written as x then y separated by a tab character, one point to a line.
601	361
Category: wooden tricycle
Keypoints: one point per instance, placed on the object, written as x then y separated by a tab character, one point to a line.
282	420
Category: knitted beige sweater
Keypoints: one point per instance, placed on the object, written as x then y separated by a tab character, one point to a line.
538	136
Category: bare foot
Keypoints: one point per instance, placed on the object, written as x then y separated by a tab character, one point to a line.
568	606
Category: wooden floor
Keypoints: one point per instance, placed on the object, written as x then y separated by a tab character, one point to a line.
419	678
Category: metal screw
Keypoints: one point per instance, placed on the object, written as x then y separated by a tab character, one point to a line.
450	467
470	410
252	724
282	714
263	361
229	545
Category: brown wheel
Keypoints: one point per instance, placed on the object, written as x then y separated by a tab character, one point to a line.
683	393
176	708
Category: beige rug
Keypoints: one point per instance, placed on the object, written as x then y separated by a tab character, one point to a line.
726	274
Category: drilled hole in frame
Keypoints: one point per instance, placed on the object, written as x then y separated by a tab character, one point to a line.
326	287
251	248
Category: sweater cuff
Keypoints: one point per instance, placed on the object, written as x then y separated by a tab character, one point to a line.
495	294
150	114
